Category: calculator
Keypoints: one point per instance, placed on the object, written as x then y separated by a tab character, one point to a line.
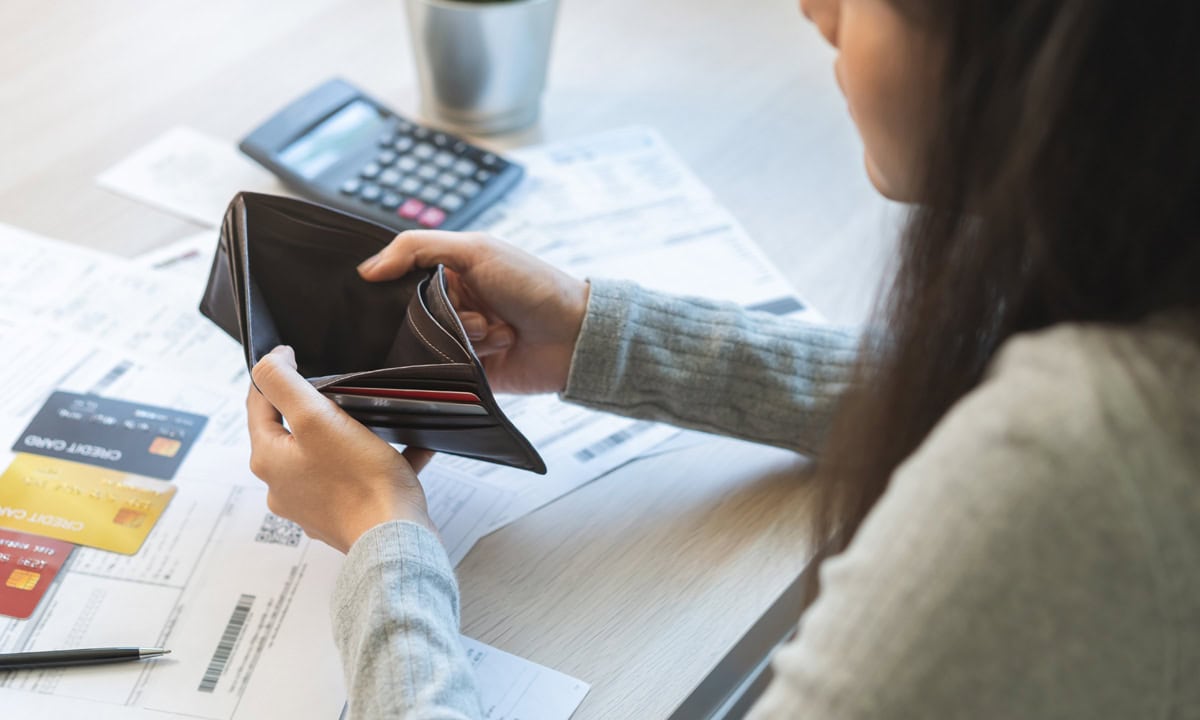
341	148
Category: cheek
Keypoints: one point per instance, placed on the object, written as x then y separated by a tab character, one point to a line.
878	79
880	123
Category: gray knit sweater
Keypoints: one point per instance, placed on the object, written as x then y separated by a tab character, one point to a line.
1037	557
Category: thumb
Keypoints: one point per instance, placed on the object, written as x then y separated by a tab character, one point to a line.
294	397
423	249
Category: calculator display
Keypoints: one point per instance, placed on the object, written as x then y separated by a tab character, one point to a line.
343	132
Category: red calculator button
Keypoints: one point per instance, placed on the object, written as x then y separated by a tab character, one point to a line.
411	208
432	217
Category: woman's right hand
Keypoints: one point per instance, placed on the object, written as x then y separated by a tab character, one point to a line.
522	315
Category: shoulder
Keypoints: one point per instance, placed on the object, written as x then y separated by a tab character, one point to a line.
1014	565
1070	430
1105	364
1077	435
1073	399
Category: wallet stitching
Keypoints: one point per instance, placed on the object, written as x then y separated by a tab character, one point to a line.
413	323
420	298
445	306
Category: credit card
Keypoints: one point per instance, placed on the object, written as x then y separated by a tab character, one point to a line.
405	393
114	434
404	405
81	504
28	564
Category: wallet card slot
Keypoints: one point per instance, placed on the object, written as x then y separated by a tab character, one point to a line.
434	385
407	407
438	374
420	420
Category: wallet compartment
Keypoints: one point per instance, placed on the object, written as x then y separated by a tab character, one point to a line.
286	272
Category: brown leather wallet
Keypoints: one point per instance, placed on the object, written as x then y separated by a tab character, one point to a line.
393	355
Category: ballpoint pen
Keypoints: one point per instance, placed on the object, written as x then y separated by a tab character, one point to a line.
86	656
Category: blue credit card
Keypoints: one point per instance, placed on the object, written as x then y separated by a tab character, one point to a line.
114	434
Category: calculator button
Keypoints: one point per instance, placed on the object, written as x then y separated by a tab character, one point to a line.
490	160
390	200
427	172
387	157
411	208
459	147
404	126
424	151
410	185
403	144
430	193
370	170
432	217
465	167
447	180
483	176
389	178
420	132
407	164
468	188
370	193
451	202
351	186
443	159
440	139
386	139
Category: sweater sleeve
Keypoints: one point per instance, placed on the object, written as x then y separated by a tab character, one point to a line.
710	366
395	620
1007	572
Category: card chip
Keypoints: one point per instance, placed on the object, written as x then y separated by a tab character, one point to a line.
165	447
129	518
22	579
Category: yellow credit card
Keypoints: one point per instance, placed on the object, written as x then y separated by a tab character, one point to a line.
81	504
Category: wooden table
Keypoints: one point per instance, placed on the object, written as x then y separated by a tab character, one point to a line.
638	583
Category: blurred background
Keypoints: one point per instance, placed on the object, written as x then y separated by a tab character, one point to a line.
743	90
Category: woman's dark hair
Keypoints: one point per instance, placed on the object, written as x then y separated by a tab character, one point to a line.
1061	183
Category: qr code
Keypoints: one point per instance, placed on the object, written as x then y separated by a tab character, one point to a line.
278	531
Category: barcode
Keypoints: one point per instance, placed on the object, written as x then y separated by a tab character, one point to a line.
220	658
602	446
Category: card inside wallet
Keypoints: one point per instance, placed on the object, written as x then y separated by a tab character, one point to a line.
393	354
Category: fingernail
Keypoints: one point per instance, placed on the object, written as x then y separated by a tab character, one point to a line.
504	338
476	328
369	263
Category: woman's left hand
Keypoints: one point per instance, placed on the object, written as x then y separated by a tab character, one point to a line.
329	474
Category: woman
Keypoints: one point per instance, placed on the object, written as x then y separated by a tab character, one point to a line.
1010	465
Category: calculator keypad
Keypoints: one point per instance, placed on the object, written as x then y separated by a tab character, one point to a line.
389	178
421	175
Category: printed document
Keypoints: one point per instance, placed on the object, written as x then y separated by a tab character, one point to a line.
239	594
618	204
233	589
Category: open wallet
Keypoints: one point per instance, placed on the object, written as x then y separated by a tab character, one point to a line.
393	354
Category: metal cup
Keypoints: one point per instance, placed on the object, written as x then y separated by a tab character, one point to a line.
482	65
